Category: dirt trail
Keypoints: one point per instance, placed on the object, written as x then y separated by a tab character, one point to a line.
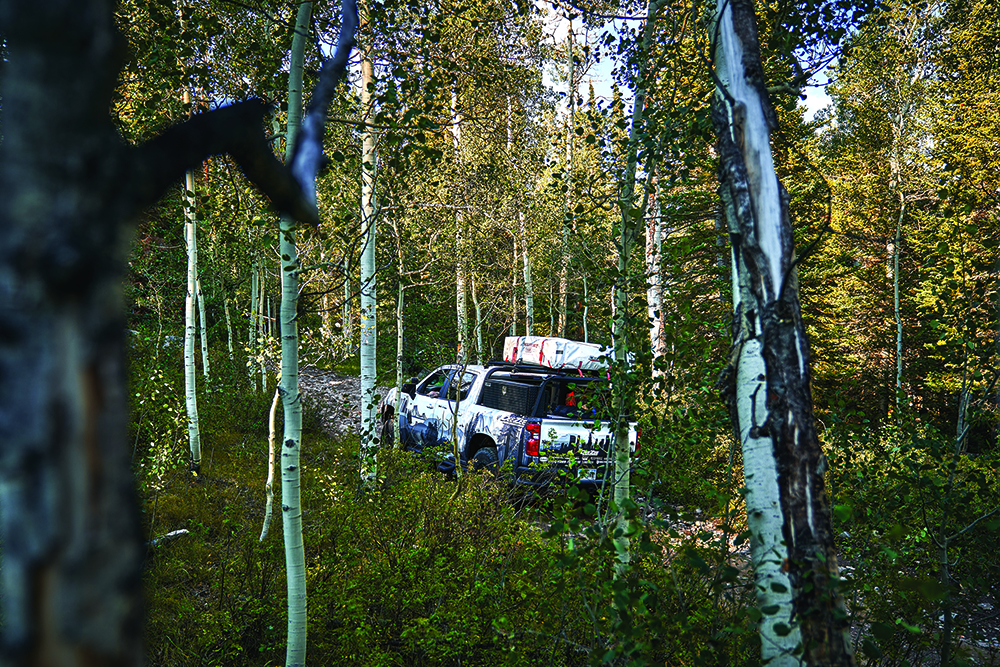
338	398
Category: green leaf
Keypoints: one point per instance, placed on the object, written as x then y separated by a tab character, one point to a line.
842	512
883	631
870	649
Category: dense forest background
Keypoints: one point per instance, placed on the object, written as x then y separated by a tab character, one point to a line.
499	174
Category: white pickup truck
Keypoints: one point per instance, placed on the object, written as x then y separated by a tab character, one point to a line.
544	418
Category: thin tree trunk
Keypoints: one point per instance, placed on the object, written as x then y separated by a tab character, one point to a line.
551	320
262	325
269	482
291	501
895	306
479	323
190	375
529	293
400	291
461	307
203	331
513	277
767	381
568	201
629	233
369	418
654	271
229	324
254	318
513	289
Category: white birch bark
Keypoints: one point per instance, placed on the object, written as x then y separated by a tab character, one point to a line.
461	305
479	323
765	519
568	202
202	331
767	381
269	480
369	417
654	273
513	277
400	293
190	375
229	324
252	329
529	293
262	325
513	289
291	499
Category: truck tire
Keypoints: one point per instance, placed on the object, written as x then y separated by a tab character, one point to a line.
387	435
485	458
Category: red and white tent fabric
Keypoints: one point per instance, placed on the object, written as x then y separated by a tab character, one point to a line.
557	353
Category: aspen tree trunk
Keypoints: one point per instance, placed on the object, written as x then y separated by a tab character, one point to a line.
529	293
461	307
262	325
400	292
767	381
69	186
369	418
269	480
586	308
513	292
252	332
654	271
568	202
229	323
71	551
202	331
190	302
513	289
551	320
479	322
632	215
190	374
897	315
291	500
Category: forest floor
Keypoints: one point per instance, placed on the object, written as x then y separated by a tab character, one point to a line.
338	398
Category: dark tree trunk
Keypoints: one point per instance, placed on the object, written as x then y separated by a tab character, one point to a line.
71	543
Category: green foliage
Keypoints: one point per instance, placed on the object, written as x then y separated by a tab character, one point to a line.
904	501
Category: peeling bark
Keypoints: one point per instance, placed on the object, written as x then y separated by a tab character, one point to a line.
771	402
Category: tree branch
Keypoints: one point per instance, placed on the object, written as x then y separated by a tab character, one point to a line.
236	130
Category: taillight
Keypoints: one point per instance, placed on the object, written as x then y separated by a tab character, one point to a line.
638	437
532	445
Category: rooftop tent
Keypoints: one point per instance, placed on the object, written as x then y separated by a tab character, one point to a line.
556	353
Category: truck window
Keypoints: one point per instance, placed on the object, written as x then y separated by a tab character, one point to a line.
431	387
468	378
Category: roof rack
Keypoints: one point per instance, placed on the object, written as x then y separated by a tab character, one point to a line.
535	369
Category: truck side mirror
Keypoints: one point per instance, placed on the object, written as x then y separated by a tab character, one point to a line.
411	389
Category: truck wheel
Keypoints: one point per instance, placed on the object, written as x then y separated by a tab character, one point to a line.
388	433
485	458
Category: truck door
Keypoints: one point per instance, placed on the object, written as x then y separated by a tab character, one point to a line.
455	390
423	428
